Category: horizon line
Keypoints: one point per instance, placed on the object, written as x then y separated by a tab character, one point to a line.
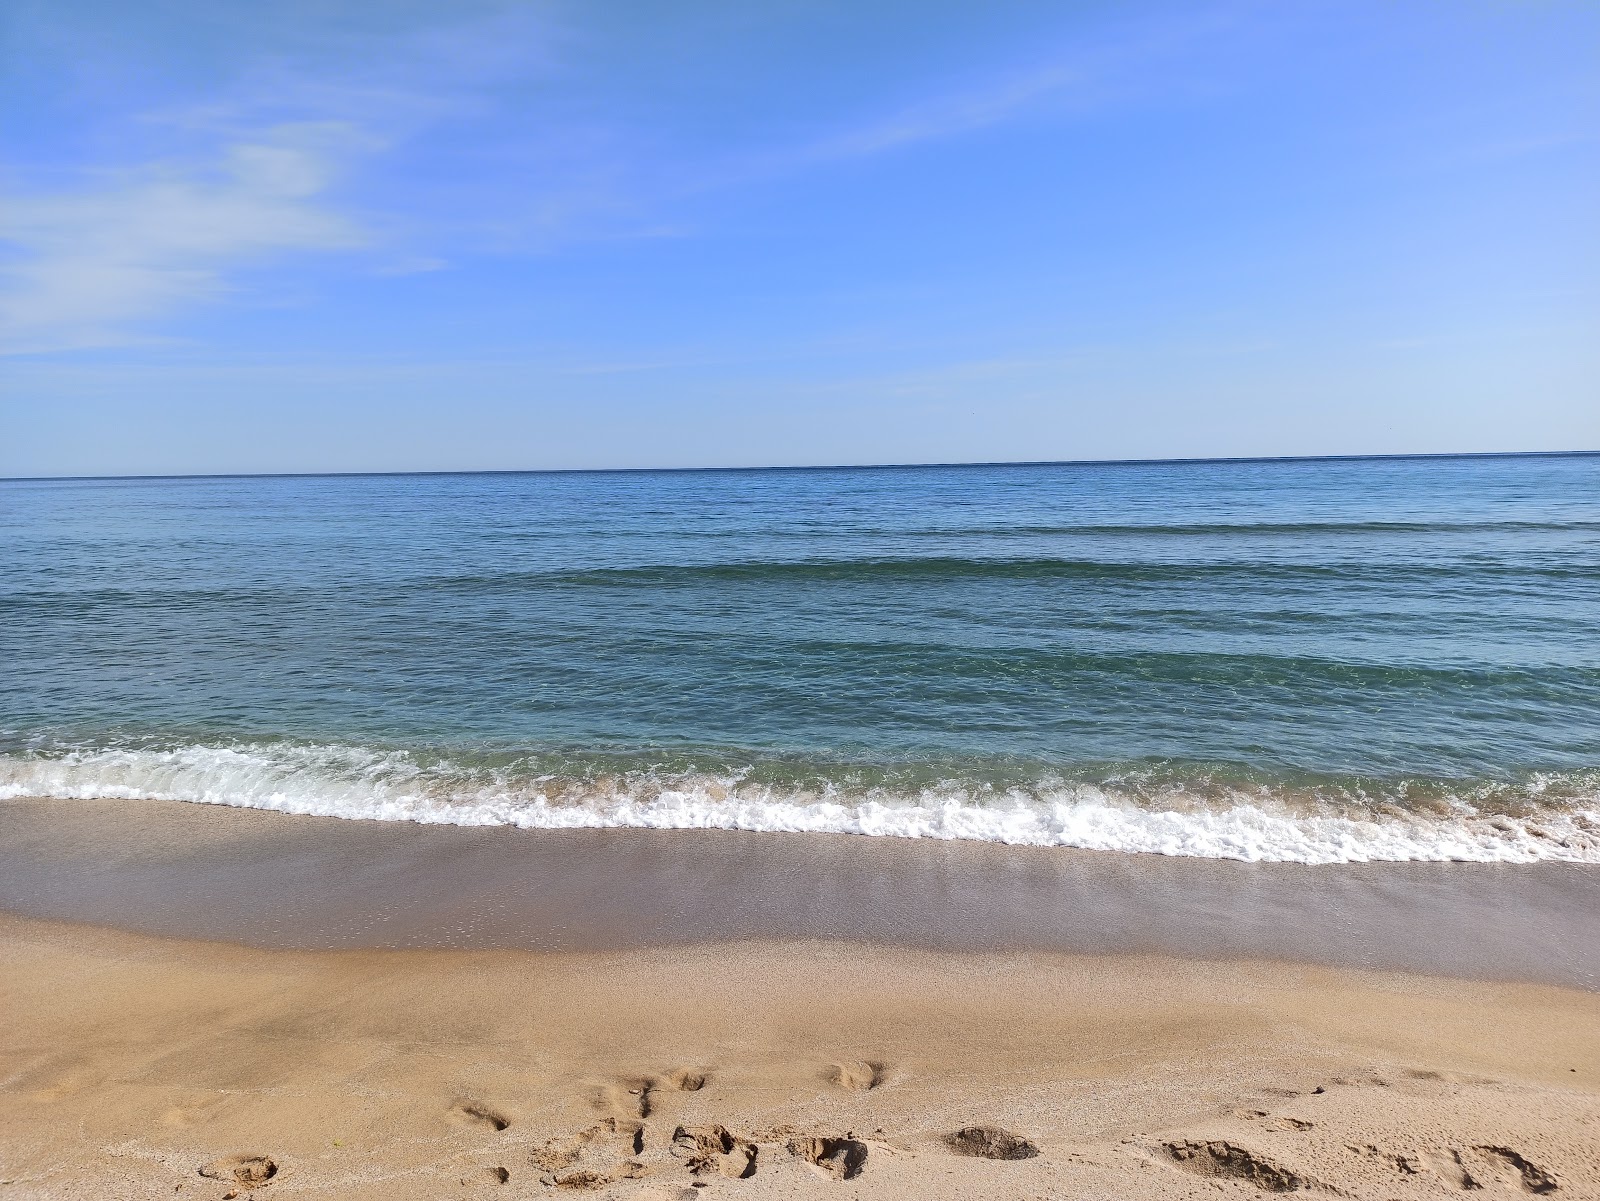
1178	461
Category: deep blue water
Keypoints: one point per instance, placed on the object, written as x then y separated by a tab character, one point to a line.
1020	651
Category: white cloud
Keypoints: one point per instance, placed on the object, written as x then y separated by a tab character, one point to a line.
245	177
247	170
86	266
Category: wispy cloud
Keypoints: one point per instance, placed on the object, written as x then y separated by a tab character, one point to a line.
953	114
1127	62
89	267
244	176
266	166
393	85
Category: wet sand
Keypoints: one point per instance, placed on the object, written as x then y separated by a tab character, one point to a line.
272	880
677	1015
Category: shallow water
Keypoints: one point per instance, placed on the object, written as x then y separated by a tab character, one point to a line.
1311	660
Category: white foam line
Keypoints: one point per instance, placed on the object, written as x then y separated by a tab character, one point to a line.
350	782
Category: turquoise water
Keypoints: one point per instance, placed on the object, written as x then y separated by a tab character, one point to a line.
1314	660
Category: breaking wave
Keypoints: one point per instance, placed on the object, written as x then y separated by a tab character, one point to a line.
1553	817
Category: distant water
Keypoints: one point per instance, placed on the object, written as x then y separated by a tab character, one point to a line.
1314	660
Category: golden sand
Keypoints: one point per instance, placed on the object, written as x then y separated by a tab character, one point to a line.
142	1067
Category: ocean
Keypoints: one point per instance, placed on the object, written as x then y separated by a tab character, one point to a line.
1297	660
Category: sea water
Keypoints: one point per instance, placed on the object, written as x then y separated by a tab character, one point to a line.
1312	660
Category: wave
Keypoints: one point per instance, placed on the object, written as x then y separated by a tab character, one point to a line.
1547	818
1533	577
1229	528
1036	567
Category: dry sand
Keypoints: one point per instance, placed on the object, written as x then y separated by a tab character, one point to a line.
135	1066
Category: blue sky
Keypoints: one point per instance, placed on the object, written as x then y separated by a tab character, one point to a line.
309	236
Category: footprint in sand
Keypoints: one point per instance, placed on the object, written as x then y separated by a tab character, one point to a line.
191	1113
1273	1123
712	1150
627	1098
476	1113
251	1171
857	1075
1466	1168
617	1150
837	1158
1503	1166
990	1142
1217	1158
595	1157
687	1080
635	1096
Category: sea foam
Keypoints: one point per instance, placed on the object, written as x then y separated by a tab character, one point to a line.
1254	825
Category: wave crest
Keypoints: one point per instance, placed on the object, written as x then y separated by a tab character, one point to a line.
1255	824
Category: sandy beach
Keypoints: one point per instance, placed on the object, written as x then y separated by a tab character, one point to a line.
142	1067
145	1064
942	602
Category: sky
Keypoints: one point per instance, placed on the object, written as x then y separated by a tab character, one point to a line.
316	235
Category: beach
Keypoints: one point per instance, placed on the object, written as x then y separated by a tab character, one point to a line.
142	1067
1041	831
654	1064
905	603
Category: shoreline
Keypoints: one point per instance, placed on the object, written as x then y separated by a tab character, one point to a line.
148	1067
395	1011
271	880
